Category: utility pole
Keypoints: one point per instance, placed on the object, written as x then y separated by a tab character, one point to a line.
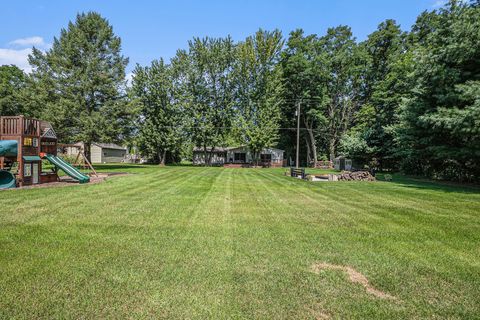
298	133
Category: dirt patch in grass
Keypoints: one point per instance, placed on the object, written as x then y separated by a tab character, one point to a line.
355	277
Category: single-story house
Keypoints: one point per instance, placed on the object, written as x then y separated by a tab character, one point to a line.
100	152
219	155
240	156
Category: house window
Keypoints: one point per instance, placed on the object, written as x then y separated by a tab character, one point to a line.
35	142
240	157
264	157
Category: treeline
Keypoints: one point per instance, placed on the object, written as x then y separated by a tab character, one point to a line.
397	101
216	93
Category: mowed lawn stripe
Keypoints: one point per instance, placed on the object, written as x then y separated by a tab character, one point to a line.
357	234
197	243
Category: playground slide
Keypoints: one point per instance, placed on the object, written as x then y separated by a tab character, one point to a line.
8	148
67	168
7	180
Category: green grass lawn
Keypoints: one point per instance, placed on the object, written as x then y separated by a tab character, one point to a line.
197	243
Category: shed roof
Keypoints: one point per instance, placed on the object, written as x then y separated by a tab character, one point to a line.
109	146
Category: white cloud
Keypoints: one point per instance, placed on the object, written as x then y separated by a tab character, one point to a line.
17	51
439	3
16	57
28	42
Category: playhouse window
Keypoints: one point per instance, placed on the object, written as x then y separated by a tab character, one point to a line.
27	170
27	142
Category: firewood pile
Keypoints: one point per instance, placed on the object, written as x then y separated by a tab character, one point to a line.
324	165
355	176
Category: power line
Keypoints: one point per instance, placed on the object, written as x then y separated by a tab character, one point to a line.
195	127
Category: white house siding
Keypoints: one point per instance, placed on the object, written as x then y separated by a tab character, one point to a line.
72	150
277	155
199	158
99	153
113	155
231	155
228	157
95	154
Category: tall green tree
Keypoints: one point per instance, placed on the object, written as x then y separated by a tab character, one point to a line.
440	131
12	83
205	76
385	82
258	90
161	117
303	73
342	84
81	82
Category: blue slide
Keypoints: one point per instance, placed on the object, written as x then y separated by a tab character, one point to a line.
70	170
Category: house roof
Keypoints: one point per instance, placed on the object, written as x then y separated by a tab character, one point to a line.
109	146
209	149
244	146
224	149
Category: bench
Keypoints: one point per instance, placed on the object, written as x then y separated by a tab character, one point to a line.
300	172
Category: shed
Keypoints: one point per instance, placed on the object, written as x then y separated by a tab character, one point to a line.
107	153
342	163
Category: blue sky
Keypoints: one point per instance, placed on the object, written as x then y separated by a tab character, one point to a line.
154	29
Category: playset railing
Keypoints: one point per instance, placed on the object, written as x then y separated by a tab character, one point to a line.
19	125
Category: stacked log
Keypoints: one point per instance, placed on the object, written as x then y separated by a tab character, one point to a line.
355	176
324	165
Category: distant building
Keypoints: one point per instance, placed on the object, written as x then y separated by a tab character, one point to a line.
100	152
107	152
342	163
239	157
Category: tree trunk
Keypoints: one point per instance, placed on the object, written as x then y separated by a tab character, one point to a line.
308	151
205	161
331	148
162	155
210	155
87	150
313	143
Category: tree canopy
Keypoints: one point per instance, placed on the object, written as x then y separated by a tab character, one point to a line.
80	82
399	100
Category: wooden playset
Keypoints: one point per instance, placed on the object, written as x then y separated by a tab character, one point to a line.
24	143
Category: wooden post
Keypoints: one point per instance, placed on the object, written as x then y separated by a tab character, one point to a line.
89	164
298	134
78	156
